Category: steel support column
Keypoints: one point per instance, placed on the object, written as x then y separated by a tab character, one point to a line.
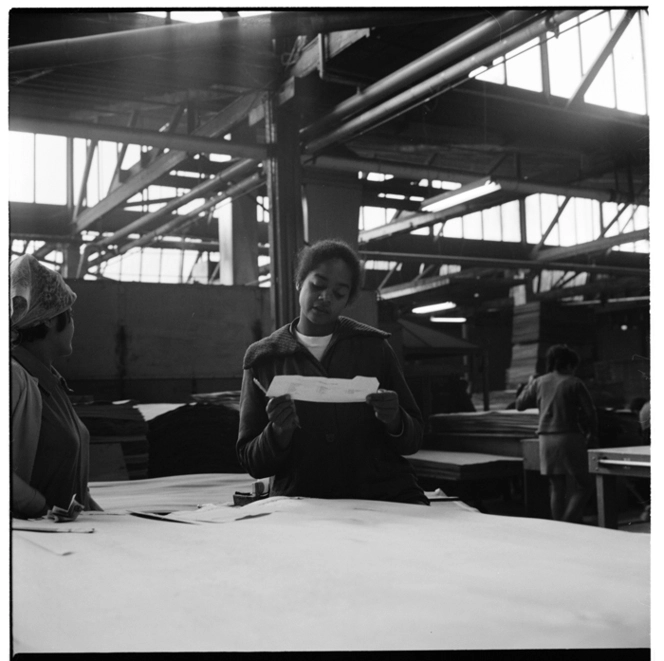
283	174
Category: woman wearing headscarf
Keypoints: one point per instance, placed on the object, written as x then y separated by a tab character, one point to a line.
49	443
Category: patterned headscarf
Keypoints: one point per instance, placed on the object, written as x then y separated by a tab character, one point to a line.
37	294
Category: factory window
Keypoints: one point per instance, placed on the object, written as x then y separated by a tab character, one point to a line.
263	209
500	223
163	265
621	81
50	169
583	220
523	67
372	217
22	173
39	168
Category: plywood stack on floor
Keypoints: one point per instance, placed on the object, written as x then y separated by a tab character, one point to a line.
118	440
490	432
539	325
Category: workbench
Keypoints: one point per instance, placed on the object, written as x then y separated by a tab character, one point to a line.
609	464
190	572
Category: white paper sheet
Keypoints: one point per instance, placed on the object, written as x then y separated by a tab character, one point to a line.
320	389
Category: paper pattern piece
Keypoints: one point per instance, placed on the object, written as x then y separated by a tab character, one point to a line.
320	389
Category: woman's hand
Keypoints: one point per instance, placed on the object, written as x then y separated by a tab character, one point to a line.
386	408
283	416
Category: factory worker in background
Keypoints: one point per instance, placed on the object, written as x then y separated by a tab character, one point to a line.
49	443
567	428
329	450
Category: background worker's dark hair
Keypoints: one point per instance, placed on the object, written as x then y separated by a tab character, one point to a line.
322	251
560	356
39	332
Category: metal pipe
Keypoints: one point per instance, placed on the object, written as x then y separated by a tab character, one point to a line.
239	169
191	143
403	170
257	31
530	188
437	84
493	262
426	65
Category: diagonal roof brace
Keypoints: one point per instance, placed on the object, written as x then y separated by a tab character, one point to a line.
590	247
164	163
603	55
179	222
240	169
190	143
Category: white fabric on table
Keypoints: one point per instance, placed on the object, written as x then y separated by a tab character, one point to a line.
309	574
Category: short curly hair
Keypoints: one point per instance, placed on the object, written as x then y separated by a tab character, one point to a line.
323	251
560	356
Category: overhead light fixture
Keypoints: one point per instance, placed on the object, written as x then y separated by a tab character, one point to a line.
448	320
436	307
471	191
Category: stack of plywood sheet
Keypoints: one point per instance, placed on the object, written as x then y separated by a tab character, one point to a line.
118	440
539	325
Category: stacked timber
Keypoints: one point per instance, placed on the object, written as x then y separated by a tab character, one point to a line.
118	439
489	432
539	325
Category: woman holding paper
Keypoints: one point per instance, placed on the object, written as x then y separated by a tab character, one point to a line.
323	446
49	443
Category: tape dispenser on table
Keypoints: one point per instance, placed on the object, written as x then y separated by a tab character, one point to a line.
261	489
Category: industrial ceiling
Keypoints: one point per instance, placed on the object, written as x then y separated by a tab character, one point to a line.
370	90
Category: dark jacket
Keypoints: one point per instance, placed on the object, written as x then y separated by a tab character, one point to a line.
341	450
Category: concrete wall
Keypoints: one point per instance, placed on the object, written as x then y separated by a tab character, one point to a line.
161	343
157	342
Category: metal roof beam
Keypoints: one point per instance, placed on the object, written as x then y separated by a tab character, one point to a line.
491	262
337	42
590	247
185	143
404	170
426	65
259	31
520	187
439	82
176	224
208	187
591	288
220	124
